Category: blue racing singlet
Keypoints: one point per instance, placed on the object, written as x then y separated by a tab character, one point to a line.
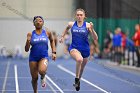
39	47
80	37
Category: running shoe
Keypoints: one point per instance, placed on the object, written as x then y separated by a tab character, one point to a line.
43	82
77	84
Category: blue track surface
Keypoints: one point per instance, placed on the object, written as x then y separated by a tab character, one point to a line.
97	78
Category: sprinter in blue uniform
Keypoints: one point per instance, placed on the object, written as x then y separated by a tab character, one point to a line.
38	58
79	48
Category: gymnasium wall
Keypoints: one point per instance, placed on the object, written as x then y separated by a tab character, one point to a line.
30	8
16	19
13	32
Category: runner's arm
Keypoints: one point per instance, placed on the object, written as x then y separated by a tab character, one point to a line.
27	45
65	31
92	31
52	41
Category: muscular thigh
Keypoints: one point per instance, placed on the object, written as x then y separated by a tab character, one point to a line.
76	54
33	68
43	63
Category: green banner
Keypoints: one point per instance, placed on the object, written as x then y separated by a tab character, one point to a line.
102	25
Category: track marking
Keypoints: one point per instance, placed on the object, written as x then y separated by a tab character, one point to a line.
57	91
113	76
54	84
16	79
51	87
6	75
71	73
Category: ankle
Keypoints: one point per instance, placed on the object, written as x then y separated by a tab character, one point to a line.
42	76
77	79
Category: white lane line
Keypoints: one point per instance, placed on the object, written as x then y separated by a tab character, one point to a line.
54	84
16	79
113	77
6	75
57	91
68	71
51	87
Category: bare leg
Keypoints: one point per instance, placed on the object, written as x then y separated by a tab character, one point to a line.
85	60
79	59
42	70
42	66
34	73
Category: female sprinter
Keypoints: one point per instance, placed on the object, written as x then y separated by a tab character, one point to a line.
38	58
79	48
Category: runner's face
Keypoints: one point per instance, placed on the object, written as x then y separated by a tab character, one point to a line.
38	23
80	16
137	27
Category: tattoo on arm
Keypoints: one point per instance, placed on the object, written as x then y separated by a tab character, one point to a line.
52	42
67	28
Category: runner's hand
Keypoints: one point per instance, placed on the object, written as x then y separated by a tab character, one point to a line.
91	25
29	36
53	56
61	39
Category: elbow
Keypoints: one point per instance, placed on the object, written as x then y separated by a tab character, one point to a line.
96	38
26	49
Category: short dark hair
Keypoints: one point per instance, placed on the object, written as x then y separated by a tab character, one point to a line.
35	17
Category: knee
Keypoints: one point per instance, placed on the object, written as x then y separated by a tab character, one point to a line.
42	72
79	60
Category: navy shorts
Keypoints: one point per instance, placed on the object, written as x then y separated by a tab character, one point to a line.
84	53
37	58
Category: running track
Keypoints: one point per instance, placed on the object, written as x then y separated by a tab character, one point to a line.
97	78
